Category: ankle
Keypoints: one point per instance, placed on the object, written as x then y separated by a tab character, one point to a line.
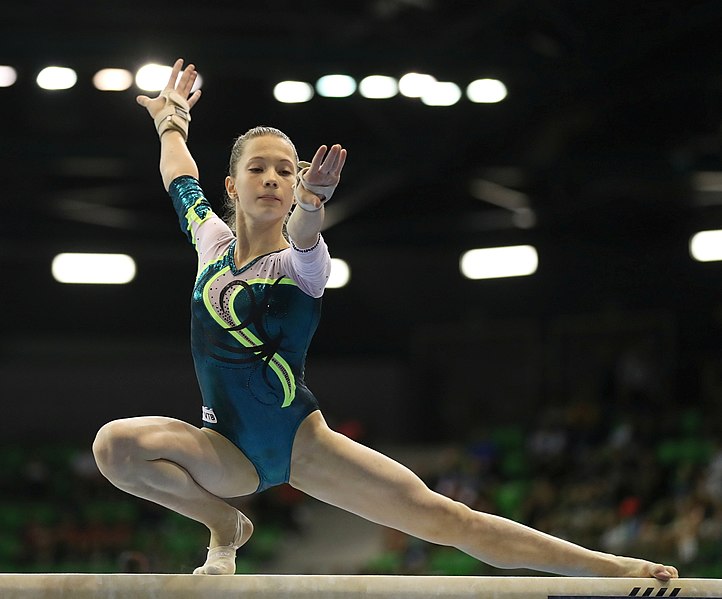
234	531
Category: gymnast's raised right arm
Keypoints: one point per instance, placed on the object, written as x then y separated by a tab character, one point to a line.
171	114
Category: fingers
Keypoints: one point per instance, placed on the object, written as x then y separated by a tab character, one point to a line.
339	161
188	78
194	98
182	80
142	100
317	159
177	66
333	161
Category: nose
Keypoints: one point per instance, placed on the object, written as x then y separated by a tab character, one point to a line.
271	182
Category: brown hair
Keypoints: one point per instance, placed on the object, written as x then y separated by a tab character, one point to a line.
239	145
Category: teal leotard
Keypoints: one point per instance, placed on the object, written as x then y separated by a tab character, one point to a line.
250	331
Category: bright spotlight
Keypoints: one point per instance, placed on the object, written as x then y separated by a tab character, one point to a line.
336	86
8	76
105	269
112	80
486	91
706	246
293	92
499	262
442	93
56	78
340	274
378	87
415	85
152	77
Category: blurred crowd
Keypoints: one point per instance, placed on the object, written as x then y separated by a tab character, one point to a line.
645	485
648	486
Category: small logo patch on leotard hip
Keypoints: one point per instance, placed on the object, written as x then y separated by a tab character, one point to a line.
209	415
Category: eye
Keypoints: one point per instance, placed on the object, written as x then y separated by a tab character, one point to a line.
286	172
255	169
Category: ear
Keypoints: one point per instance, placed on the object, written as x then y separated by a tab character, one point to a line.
231	188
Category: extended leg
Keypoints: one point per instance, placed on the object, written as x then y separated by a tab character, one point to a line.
341	472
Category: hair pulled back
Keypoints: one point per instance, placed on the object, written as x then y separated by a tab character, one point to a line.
239	146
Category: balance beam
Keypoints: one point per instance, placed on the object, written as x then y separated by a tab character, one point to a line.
187	586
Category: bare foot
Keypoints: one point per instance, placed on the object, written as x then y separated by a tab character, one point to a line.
639	568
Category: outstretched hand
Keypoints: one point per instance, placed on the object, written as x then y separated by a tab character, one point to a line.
182	85
324	171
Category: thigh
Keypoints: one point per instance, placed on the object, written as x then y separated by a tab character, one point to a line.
213	461
339	471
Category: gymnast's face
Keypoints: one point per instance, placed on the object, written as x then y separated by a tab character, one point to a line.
263	183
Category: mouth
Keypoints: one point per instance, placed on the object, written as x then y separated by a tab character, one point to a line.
269	198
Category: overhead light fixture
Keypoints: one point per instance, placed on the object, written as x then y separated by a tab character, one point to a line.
378	87
340	274
336	86
442	93
706	246
8	76
101	269
486	91
112	80
293	92
54	78
415	85
499	262
152	77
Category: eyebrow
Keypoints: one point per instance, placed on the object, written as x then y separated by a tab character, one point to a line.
265	158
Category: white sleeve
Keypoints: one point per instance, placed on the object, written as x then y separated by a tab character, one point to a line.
309	268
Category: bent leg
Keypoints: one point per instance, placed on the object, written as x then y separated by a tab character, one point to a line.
339	471
185	469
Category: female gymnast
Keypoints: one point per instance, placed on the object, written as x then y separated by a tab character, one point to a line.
255	306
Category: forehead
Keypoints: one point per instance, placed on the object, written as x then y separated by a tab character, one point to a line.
270	147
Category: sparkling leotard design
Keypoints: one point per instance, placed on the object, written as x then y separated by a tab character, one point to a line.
250	331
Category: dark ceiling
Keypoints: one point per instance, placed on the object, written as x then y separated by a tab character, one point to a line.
614	110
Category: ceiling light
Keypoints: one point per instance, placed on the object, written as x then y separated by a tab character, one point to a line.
340	274
442	93
56	78
152	77
112	80
293	92
378	87
494	263
486	91
113	269
706	246
8	76
336	86
415	85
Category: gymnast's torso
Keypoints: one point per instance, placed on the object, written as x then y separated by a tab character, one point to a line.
250	331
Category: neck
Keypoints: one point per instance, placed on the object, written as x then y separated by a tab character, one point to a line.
257	239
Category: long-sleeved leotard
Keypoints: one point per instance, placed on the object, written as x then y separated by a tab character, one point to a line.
250	331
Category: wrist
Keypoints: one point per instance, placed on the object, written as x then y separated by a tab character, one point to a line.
174	116
314	209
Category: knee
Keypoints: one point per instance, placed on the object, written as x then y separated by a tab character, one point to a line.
116	446
451	523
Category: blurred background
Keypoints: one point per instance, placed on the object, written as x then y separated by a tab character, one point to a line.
583	399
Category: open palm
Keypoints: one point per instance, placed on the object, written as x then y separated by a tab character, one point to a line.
181	86
325	169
